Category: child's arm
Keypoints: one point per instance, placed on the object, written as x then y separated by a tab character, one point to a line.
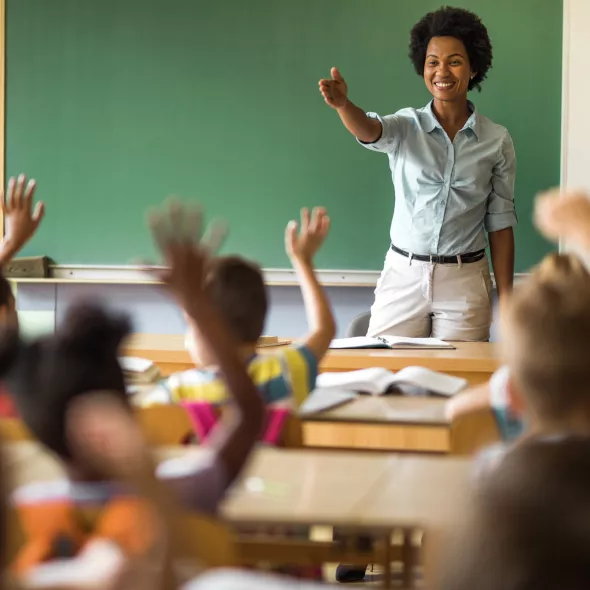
177	232
20	221
472	400
564	215
301	247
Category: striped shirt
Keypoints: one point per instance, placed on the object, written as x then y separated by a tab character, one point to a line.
283	378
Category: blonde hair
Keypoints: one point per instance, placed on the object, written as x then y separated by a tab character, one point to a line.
548	320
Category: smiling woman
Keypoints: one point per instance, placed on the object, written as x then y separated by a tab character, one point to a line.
453	171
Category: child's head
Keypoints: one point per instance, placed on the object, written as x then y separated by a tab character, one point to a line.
528	527
546	330
45	375
236	288
8	314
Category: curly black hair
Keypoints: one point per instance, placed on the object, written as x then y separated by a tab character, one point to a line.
461	24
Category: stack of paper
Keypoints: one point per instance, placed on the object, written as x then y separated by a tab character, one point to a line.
139	371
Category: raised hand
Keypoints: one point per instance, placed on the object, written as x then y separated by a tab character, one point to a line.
564	215
302	243
334	90
20	221
177	230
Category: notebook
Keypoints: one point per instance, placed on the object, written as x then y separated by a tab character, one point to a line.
377	381
320	400
391	342
139	371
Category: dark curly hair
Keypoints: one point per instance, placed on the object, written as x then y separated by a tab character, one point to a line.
461	24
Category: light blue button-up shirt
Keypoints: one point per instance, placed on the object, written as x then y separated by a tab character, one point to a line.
448	194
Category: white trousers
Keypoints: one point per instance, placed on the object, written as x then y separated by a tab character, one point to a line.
420	299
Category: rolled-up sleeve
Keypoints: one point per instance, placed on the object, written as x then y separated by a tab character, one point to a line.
501	212
391	133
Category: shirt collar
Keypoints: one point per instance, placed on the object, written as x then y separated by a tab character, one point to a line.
430	122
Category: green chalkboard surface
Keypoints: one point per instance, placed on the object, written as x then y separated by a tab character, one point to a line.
114	104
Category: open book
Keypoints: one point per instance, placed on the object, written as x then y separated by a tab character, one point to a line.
377	381
393	342
320	400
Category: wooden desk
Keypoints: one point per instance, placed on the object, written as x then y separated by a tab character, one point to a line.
382	423
279	487
474	361
398	423
307	488
286	488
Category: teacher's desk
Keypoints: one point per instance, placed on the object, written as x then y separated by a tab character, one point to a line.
474	361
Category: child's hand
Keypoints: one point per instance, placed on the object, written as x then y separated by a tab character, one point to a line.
302	245
177	230
20	221
564	215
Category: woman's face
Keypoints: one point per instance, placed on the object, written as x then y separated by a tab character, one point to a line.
447	71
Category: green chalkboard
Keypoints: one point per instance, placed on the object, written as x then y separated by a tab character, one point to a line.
113	104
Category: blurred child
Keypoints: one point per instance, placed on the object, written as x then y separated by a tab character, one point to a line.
564	271
557	215
236	288
48	375
20	225
527	528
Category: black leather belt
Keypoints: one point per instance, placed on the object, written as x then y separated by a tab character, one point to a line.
436	259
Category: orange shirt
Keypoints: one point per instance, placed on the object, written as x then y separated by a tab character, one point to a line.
57	523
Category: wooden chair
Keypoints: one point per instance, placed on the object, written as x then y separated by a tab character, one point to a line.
14	430
164	424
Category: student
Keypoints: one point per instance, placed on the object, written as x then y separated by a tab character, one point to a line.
20	225
499	393
527	528
557	215
236	288
46	376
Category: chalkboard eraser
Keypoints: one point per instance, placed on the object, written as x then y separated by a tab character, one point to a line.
36	267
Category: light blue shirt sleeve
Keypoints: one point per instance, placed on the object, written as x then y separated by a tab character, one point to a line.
501	213
510	425
391	134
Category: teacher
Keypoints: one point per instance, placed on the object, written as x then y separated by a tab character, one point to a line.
453	173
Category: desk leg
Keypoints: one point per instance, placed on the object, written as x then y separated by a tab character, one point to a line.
387	573
408	560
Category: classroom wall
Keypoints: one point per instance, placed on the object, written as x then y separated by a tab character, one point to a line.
42	306
576	91
153	312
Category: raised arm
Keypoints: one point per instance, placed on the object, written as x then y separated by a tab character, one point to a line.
564	215
335	93
177	232
20	221
301	247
